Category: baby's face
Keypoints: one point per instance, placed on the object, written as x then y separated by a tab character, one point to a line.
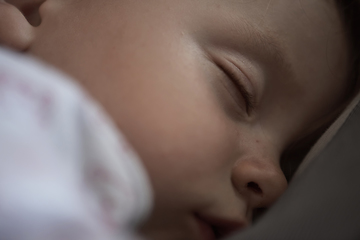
210	93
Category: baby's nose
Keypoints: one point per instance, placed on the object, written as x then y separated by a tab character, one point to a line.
260	181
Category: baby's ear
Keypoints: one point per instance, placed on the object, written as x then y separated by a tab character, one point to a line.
17	21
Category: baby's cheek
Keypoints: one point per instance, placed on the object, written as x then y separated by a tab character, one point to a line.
183	161
181	138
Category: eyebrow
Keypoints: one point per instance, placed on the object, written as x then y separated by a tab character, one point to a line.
267	43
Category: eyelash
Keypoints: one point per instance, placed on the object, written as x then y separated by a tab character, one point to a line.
246	95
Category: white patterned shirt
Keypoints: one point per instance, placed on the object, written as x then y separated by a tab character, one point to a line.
66	172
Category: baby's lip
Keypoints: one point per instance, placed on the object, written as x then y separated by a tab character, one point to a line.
205	230
213	227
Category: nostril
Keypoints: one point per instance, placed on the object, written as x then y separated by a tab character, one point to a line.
254	187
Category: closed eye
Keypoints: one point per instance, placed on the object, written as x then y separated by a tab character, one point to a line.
236	77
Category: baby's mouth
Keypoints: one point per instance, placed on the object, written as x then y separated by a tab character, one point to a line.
212	228
206	230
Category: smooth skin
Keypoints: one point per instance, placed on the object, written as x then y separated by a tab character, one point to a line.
210	93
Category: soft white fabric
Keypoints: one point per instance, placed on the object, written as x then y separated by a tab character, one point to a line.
65	170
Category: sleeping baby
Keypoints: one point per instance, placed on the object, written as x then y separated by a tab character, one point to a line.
163	119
